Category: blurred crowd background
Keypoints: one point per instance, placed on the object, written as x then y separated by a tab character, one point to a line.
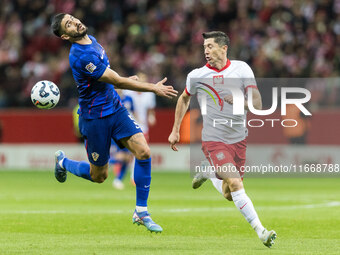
163	38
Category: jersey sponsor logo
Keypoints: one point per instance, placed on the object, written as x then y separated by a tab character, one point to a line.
220	156
90	67
95	156
218	80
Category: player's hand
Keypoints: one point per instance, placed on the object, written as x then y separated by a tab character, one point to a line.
173	139
228	99
165	90
134	77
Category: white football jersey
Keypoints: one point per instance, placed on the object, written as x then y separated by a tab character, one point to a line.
211	86
143	101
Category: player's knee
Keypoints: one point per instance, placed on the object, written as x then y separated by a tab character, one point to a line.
144	153
235	184
99	173
99	177
228	196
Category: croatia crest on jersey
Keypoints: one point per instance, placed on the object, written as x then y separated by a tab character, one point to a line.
90	67
95	156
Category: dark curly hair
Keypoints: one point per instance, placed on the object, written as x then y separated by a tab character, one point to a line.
56	24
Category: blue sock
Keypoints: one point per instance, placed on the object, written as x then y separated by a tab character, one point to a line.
142	178
122	170
78	168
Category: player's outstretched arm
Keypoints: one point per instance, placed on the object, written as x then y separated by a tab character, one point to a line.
110	76
181	108
256	98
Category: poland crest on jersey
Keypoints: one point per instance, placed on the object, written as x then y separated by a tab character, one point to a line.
218	79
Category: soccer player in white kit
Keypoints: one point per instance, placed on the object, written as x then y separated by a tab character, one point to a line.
223	145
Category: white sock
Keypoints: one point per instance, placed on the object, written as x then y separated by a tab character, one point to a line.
61	163
217	184
245	206
257	226
141	208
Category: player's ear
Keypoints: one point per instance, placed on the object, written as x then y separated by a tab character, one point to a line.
225	47
64	37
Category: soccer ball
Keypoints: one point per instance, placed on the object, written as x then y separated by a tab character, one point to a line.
45	95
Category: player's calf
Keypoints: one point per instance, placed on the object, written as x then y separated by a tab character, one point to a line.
228	196
226	191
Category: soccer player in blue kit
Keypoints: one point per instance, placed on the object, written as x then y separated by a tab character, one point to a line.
102	116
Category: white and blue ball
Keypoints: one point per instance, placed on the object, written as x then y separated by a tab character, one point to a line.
45	95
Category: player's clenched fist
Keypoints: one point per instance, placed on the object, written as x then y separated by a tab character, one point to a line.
228	99
173	139
164	90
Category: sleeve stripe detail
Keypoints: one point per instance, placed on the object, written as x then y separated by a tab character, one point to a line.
250	86
186	91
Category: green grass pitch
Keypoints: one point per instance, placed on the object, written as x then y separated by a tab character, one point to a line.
38	215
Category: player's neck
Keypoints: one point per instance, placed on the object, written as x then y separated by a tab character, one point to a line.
84	40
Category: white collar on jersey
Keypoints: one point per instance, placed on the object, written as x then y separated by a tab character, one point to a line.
216	70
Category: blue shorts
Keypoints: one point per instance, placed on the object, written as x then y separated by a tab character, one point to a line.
98	133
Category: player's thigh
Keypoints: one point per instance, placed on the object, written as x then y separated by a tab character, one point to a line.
128	134
97	137
223	158
138	145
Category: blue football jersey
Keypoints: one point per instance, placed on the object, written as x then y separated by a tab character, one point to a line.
88	63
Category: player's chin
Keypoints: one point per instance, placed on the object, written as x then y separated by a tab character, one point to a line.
211	63
82	32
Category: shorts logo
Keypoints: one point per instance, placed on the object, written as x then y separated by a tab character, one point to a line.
95	156
90	67
218	79
220	156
